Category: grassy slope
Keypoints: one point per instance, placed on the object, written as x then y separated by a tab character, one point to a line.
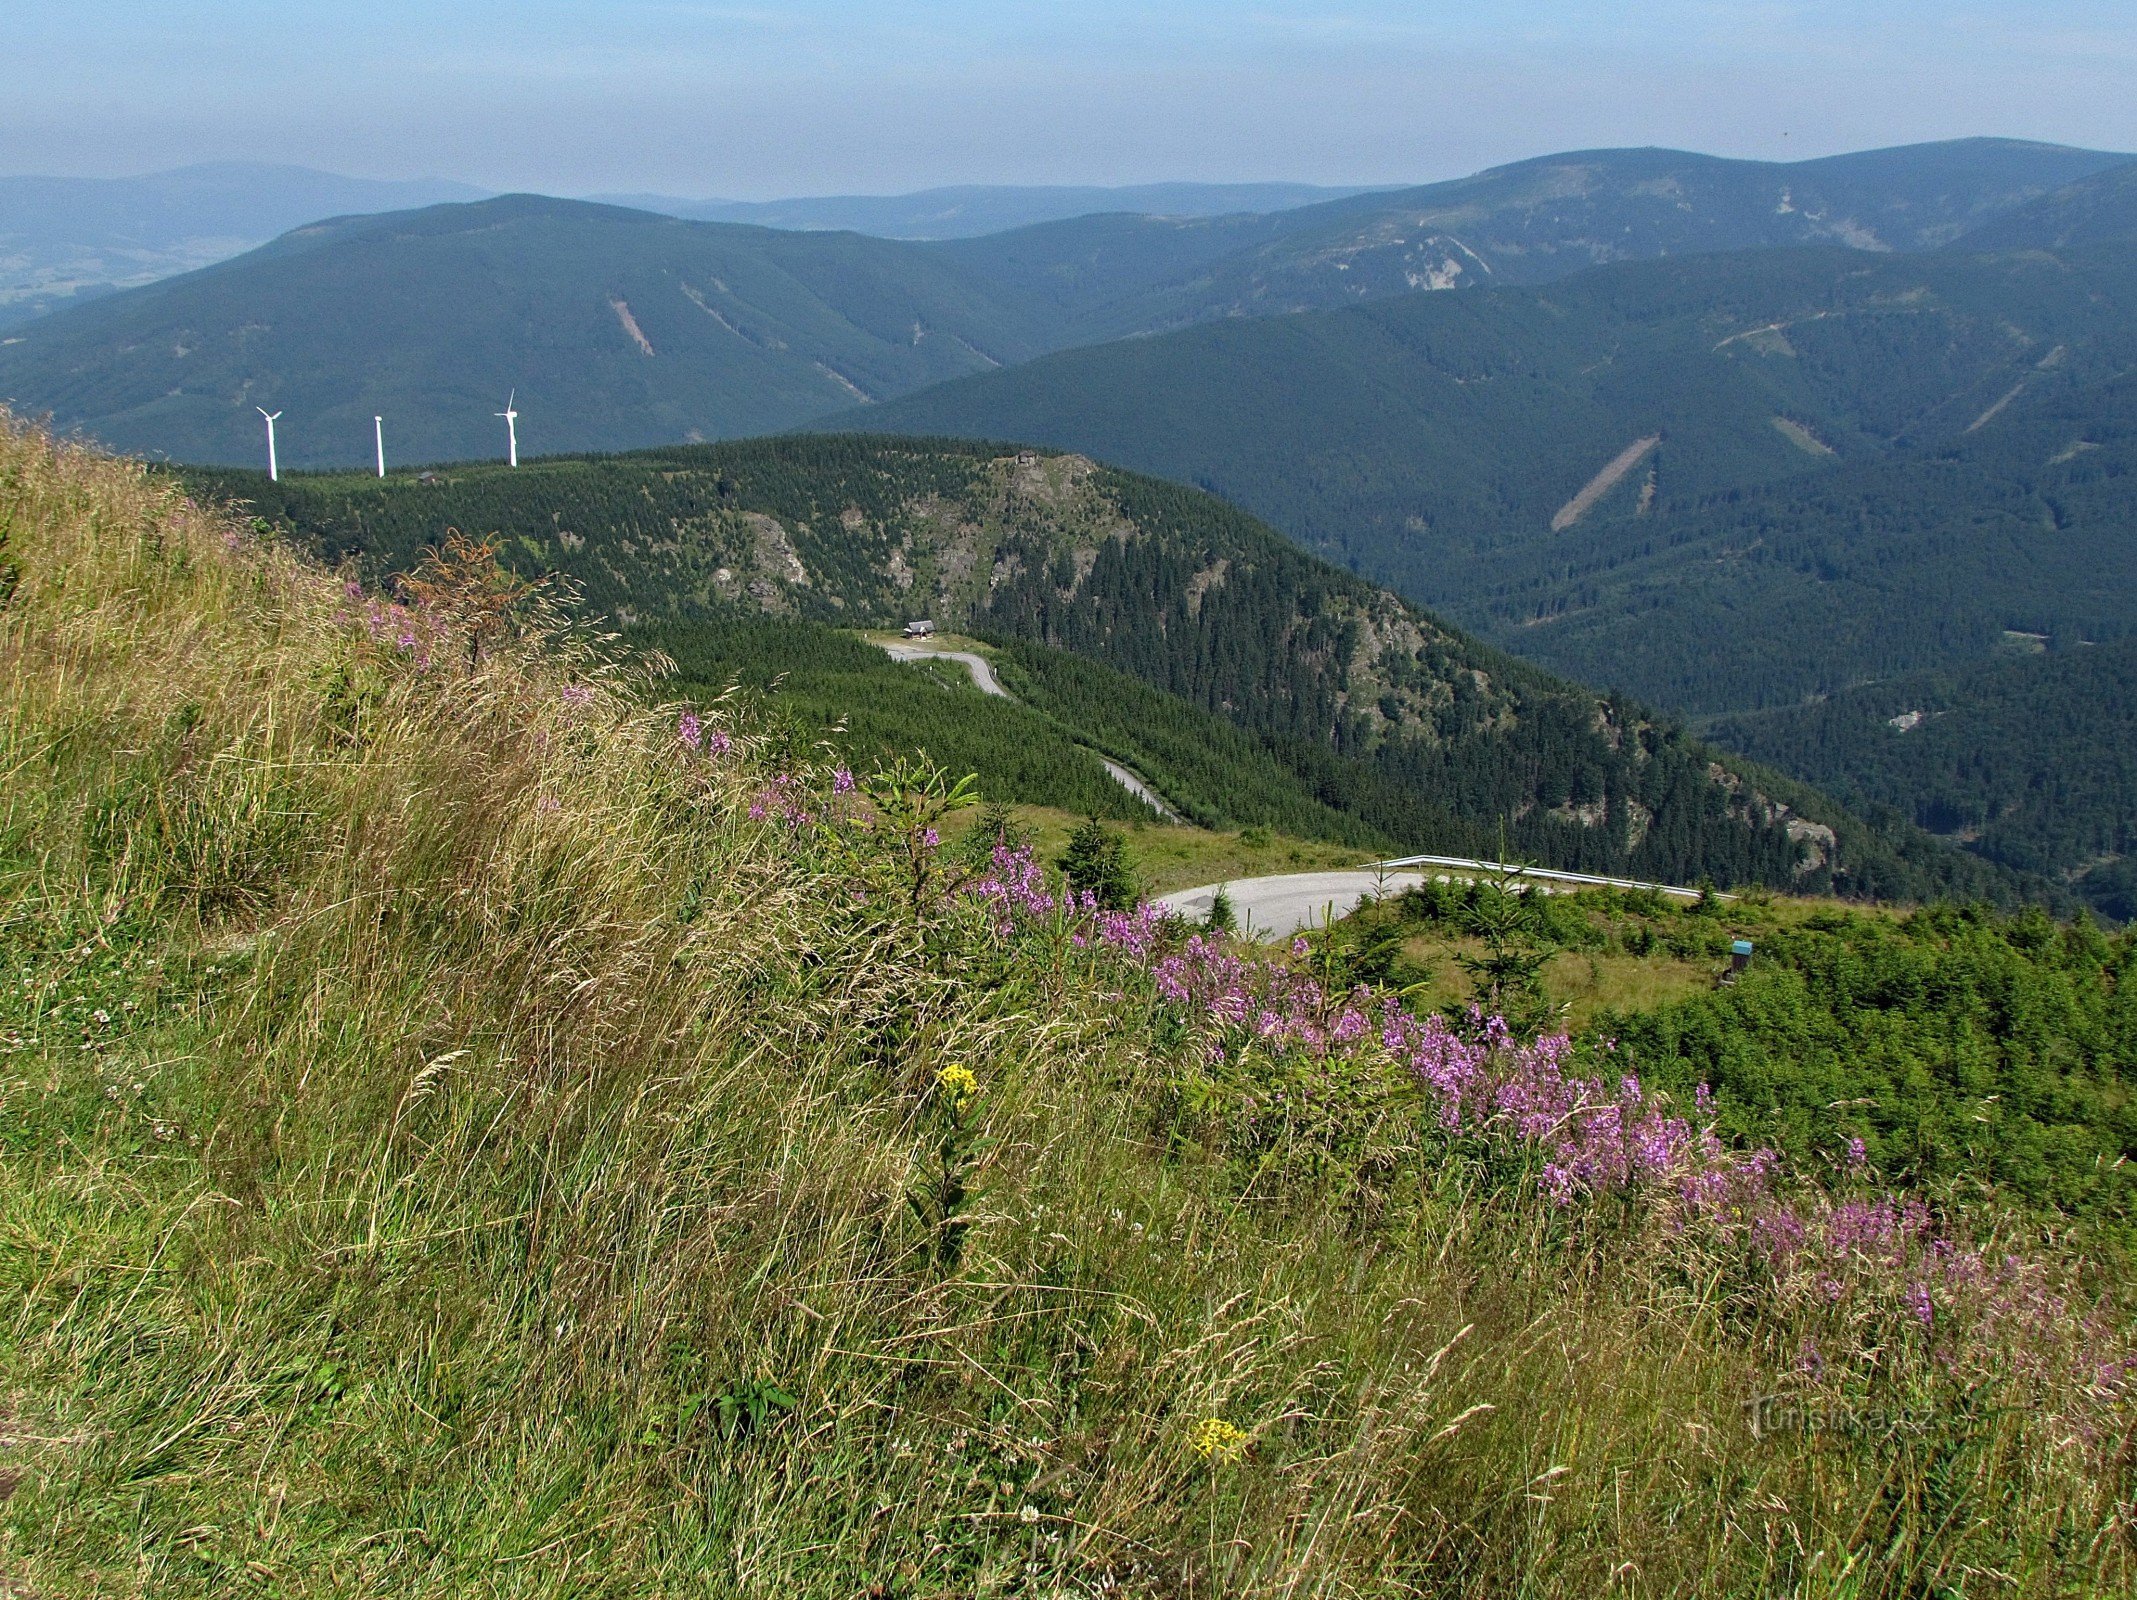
428	1097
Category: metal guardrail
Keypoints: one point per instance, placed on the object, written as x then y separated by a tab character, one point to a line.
1549	874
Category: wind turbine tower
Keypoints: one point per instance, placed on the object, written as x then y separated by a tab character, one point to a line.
274	470
511	425
378	432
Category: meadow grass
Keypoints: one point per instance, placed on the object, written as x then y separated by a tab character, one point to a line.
457	1141
1165	856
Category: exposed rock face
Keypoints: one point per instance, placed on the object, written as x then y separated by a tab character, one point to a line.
1819	845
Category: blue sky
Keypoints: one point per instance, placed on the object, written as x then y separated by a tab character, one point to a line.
752	100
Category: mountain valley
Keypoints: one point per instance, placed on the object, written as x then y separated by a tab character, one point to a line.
1375	711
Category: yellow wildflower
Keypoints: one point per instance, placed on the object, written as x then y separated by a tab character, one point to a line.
957	1082
1214	1439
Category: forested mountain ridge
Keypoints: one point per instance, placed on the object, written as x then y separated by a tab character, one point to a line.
1923	561
2029	758
615	328
1387	715
1543	219
2099	208
1460	447
622	329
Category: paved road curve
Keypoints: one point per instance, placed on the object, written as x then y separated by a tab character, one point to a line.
1277	907
982	673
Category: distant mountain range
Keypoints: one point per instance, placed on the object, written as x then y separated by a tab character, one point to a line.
1728	435
621	328
1723	483
64	240
971	210
1719	482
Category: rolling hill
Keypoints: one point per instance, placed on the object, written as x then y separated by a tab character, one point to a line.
1375	709
626	329
465	1141
616	328
62	237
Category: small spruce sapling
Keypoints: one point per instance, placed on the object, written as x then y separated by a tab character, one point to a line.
997	829
1096	863
1223	917
1504	913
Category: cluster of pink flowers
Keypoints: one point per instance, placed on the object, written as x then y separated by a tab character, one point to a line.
1844	1252
1594	1136
691	733
1265	1000
1585	1134
1589	1137
401	627
1015	888
785	799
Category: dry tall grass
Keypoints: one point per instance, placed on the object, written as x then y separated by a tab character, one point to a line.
451	1148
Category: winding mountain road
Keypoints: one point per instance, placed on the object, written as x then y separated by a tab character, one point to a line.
1287	903
982	670
986	682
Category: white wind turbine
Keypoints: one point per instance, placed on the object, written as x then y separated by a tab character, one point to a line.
274	470
378	432
511	424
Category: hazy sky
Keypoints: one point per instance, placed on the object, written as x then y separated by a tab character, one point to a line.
823	96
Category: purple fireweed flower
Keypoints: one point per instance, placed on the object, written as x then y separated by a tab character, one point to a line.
1859	1269
842	781
1918	1303
690	730
783	799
